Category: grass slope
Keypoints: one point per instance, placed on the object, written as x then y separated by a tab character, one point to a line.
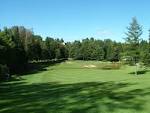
70	88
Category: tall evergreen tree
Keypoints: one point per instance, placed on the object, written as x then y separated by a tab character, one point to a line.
133	38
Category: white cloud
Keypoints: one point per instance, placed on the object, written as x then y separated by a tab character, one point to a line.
104	33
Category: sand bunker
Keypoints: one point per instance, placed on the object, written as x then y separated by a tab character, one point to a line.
89	66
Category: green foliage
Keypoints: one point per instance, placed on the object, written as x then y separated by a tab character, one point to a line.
92	49
145	53
58	54
19	45
134	33
4	72
133	40
146	58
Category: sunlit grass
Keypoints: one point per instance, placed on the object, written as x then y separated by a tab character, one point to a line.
70	87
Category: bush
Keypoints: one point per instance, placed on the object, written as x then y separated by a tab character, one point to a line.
4	72
128	60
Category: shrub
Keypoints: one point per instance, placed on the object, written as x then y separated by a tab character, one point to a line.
128	60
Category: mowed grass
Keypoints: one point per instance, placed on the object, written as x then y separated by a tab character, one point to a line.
70	87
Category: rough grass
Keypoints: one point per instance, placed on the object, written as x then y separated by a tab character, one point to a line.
71	88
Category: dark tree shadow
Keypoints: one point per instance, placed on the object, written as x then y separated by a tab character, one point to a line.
88	97
140	72
37	67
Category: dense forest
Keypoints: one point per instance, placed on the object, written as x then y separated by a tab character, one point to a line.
19	46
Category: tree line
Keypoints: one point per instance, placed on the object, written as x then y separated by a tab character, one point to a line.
19	45
133	50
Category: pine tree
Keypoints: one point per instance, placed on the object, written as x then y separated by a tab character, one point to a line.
133	39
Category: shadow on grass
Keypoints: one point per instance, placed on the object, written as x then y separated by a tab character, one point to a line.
88	97
140	72
37	67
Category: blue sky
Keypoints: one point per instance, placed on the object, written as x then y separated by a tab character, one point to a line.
76	19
